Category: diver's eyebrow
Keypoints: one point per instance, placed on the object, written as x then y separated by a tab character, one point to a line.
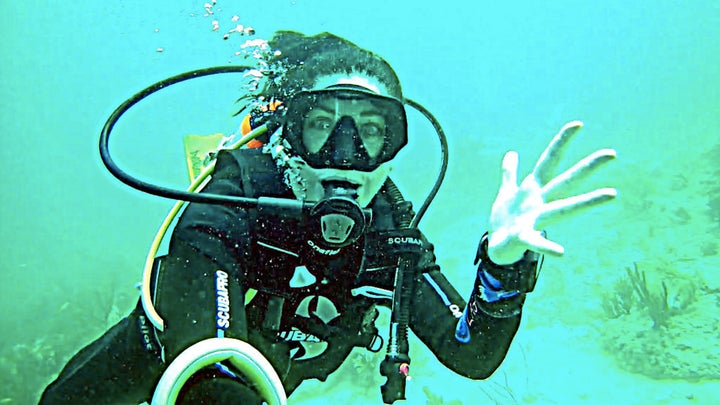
329	110
370	113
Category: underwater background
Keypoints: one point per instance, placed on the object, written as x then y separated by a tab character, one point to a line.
630	315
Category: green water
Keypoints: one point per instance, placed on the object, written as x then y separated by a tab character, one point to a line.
643	76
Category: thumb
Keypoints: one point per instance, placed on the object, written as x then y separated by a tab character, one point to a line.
509	169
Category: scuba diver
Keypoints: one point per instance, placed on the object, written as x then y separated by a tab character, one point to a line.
296	278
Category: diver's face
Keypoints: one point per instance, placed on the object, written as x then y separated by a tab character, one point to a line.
323	119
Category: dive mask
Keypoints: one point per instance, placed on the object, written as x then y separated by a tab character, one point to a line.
345	127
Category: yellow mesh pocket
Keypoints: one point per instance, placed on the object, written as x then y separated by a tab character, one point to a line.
197	149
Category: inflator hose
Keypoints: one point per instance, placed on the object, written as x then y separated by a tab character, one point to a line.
153	188
443	160
208	198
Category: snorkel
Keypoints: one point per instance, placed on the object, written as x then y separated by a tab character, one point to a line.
395	365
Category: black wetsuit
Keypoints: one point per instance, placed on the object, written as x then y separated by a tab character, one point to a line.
312	305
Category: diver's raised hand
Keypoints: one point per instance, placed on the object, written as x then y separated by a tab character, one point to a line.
521	211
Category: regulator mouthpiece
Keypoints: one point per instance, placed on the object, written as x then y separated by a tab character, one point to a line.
338	220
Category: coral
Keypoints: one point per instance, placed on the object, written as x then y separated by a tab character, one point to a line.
620	301
656	303
685	318
362	361
712	184
27	365
634	291
360	369
685	349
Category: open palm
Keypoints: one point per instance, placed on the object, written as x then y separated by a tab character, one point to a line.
520	212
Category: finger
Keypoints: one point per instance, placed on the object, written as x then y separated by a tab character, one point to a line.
579	171
560	209
550	158
509	169
538	243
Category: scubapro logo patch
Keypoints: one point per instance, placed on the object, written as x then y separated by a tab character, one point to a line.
398	240
222	300
296	335
308	346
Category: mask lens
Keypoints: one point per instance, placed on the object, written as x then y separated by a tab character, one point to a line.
317	125
345	129
372	130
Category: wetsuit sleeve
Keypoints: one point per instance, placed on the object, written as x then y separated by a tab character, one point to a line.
199	290
439	312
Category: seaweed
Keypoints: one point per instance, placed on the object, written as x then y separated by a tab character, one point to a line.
634	292
500	393
677	346
361	362
656	303
712	185
26	367
434	399
621	301
660	305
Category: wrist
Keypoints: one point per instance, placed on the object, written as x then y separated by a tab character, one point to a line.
483	304
491	298
500	289
519	275
499	250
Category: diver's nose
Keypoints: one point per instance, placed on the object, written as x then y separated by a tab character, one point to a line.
343	142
